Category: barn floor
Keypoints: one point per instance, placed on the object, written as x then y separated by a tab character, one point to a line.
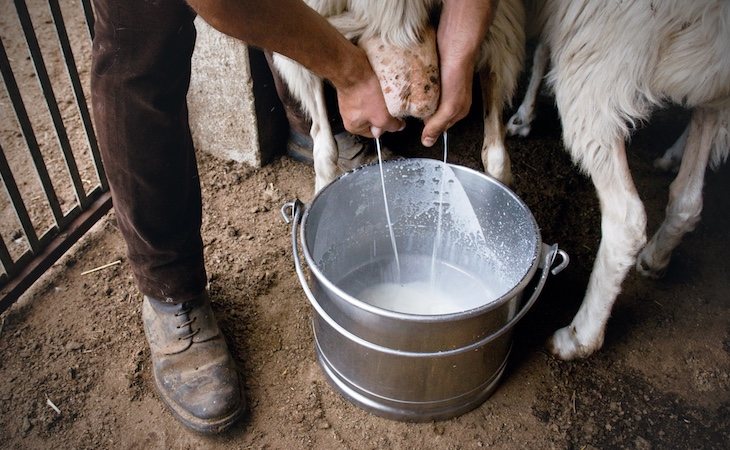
662	379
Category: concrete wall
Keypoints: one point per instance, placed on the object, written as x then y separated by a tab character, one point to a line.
234	111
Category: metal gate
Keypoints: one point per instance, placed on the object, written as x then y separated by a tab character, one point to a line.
49	160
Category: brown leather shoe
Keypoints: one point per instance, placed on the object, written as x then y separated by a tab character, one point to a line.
354	151
194	372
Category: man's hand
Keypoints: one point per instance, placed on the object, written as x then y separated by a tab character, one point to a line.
462	29
456	87
362	105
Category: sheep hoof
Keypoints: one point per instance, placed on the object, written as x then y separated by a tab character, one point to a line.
665	164
649	268
564	344
517	126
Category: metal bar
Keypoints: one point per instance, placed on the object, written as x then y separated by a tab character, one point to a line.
6	259
89	14
45	82
57	247
73	75
22	261
17	200
47	238
35	153
70	216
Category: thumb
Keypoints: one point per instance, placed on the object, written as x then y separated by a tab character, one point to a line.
435	127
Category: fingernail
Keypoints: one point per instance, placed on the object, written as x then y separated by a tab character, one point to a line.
428	141
376	131
402	127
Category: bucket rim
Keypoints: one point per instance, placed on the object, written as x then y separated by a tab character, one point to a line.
445	317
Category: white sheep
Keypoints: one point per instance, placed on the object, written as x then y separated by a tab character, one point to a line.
612	63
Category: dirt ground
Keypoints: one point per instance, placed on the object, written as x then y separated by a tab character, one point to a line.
661	380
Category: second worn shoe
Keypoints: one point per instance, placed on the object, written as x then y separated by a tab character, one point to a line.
194	372
354	151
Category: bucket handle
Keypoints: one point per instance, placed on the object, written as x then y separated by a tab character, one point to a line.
292	214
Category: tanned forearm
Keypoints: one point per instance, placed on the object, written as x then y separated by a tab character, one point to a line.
462	29
291	28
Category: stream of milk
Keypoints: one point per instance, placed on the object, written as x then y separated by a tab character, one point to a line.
387	210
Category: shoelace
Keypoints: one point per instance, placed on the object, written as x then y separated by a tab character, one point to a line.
186	310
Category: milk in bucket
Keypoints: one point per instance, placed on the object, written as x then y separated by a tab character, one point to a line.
424	284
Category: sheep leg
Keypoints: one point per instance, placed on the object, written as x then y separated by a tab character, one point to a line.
623	223
520	123
669	162
309	90
494	154
685	195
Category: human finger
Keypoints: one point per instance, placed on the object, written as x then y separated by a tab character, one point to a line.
444	117
390	124
435	127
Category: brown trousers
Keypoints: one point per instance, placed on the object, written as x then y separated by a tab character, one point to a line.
140	76
139	82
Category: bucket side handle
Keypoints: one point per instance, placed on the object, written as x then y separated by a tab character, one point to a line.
549	254
292	211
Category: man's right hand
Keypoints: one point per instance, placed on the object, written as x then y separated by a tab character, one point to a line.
362	105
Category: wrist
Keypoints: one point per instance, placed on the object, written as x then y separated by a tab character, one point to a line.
457	69
352	69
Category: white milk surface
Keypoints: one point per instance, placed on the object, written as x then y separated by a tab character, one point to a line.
420	291
418	297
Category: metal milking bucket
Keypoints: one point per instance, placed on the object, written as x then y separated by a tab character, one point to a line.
408	364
